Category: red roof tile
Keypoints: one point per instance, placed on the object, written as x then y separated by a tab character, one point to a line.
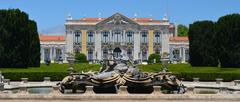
51	38
178	38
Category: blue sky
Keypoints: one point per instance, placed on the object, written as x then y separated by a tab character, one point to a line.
51	14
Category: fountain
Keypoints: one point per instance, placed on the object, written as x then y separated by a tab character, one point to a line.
116	72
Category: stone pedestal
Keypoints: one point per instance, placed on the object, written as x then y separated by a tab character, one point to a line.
23	90
7	81
190	90
236	82
195	80
122	90
89	90
47	79
24	80
55	90
219	80
157	90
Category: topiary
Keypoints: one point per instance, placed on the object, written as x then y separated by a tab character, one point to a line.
153	57
81	58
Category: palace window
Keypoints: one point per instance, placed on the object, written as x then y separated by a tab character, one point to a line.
144	37
59	55
77	50
144	56
105	36
105	53
46	54
117	36
129	53
157	37
77	37
129	36
90	35
158	51
90	54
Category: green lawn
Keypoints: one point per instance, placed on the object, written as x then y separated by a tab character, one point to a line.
58	71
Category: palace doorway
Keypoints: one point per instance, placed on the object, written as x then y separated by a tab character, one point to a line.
117	52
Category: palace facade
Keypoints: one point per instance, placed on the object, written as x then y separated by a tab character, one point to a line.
135	37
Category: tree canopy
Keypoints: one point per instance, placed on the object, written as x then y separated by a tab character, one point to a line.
19	41
182	30
202	44
216	43
81	58
153	57
228	35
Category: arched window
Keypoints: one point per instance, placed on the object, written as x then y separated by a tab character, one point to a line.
129	36
157	37
90	35
105	36
144	37
78	36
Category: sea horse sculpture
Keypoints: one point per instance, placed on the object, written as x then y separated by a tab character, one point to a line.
116	72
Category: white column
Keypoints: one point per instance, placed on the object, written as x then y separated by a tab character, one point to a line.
51	55
69	41
98	47
183	56
54	53
180	54
136	48
124	36
110	36
165	43
64	53
42	54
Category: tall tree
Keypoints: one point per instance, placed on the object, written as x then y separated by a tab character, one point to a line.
15	38
202	44
182	30
228	30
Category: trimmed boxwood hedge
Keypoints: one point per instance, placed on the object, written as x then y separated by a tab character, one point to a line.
188	76
58	71
58	76
34	76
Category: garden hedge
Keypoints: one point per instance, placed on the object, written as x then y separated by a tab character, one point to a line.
58	76
34	76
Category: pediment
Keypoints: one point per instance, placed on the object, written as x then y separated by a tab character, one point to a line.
117	19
